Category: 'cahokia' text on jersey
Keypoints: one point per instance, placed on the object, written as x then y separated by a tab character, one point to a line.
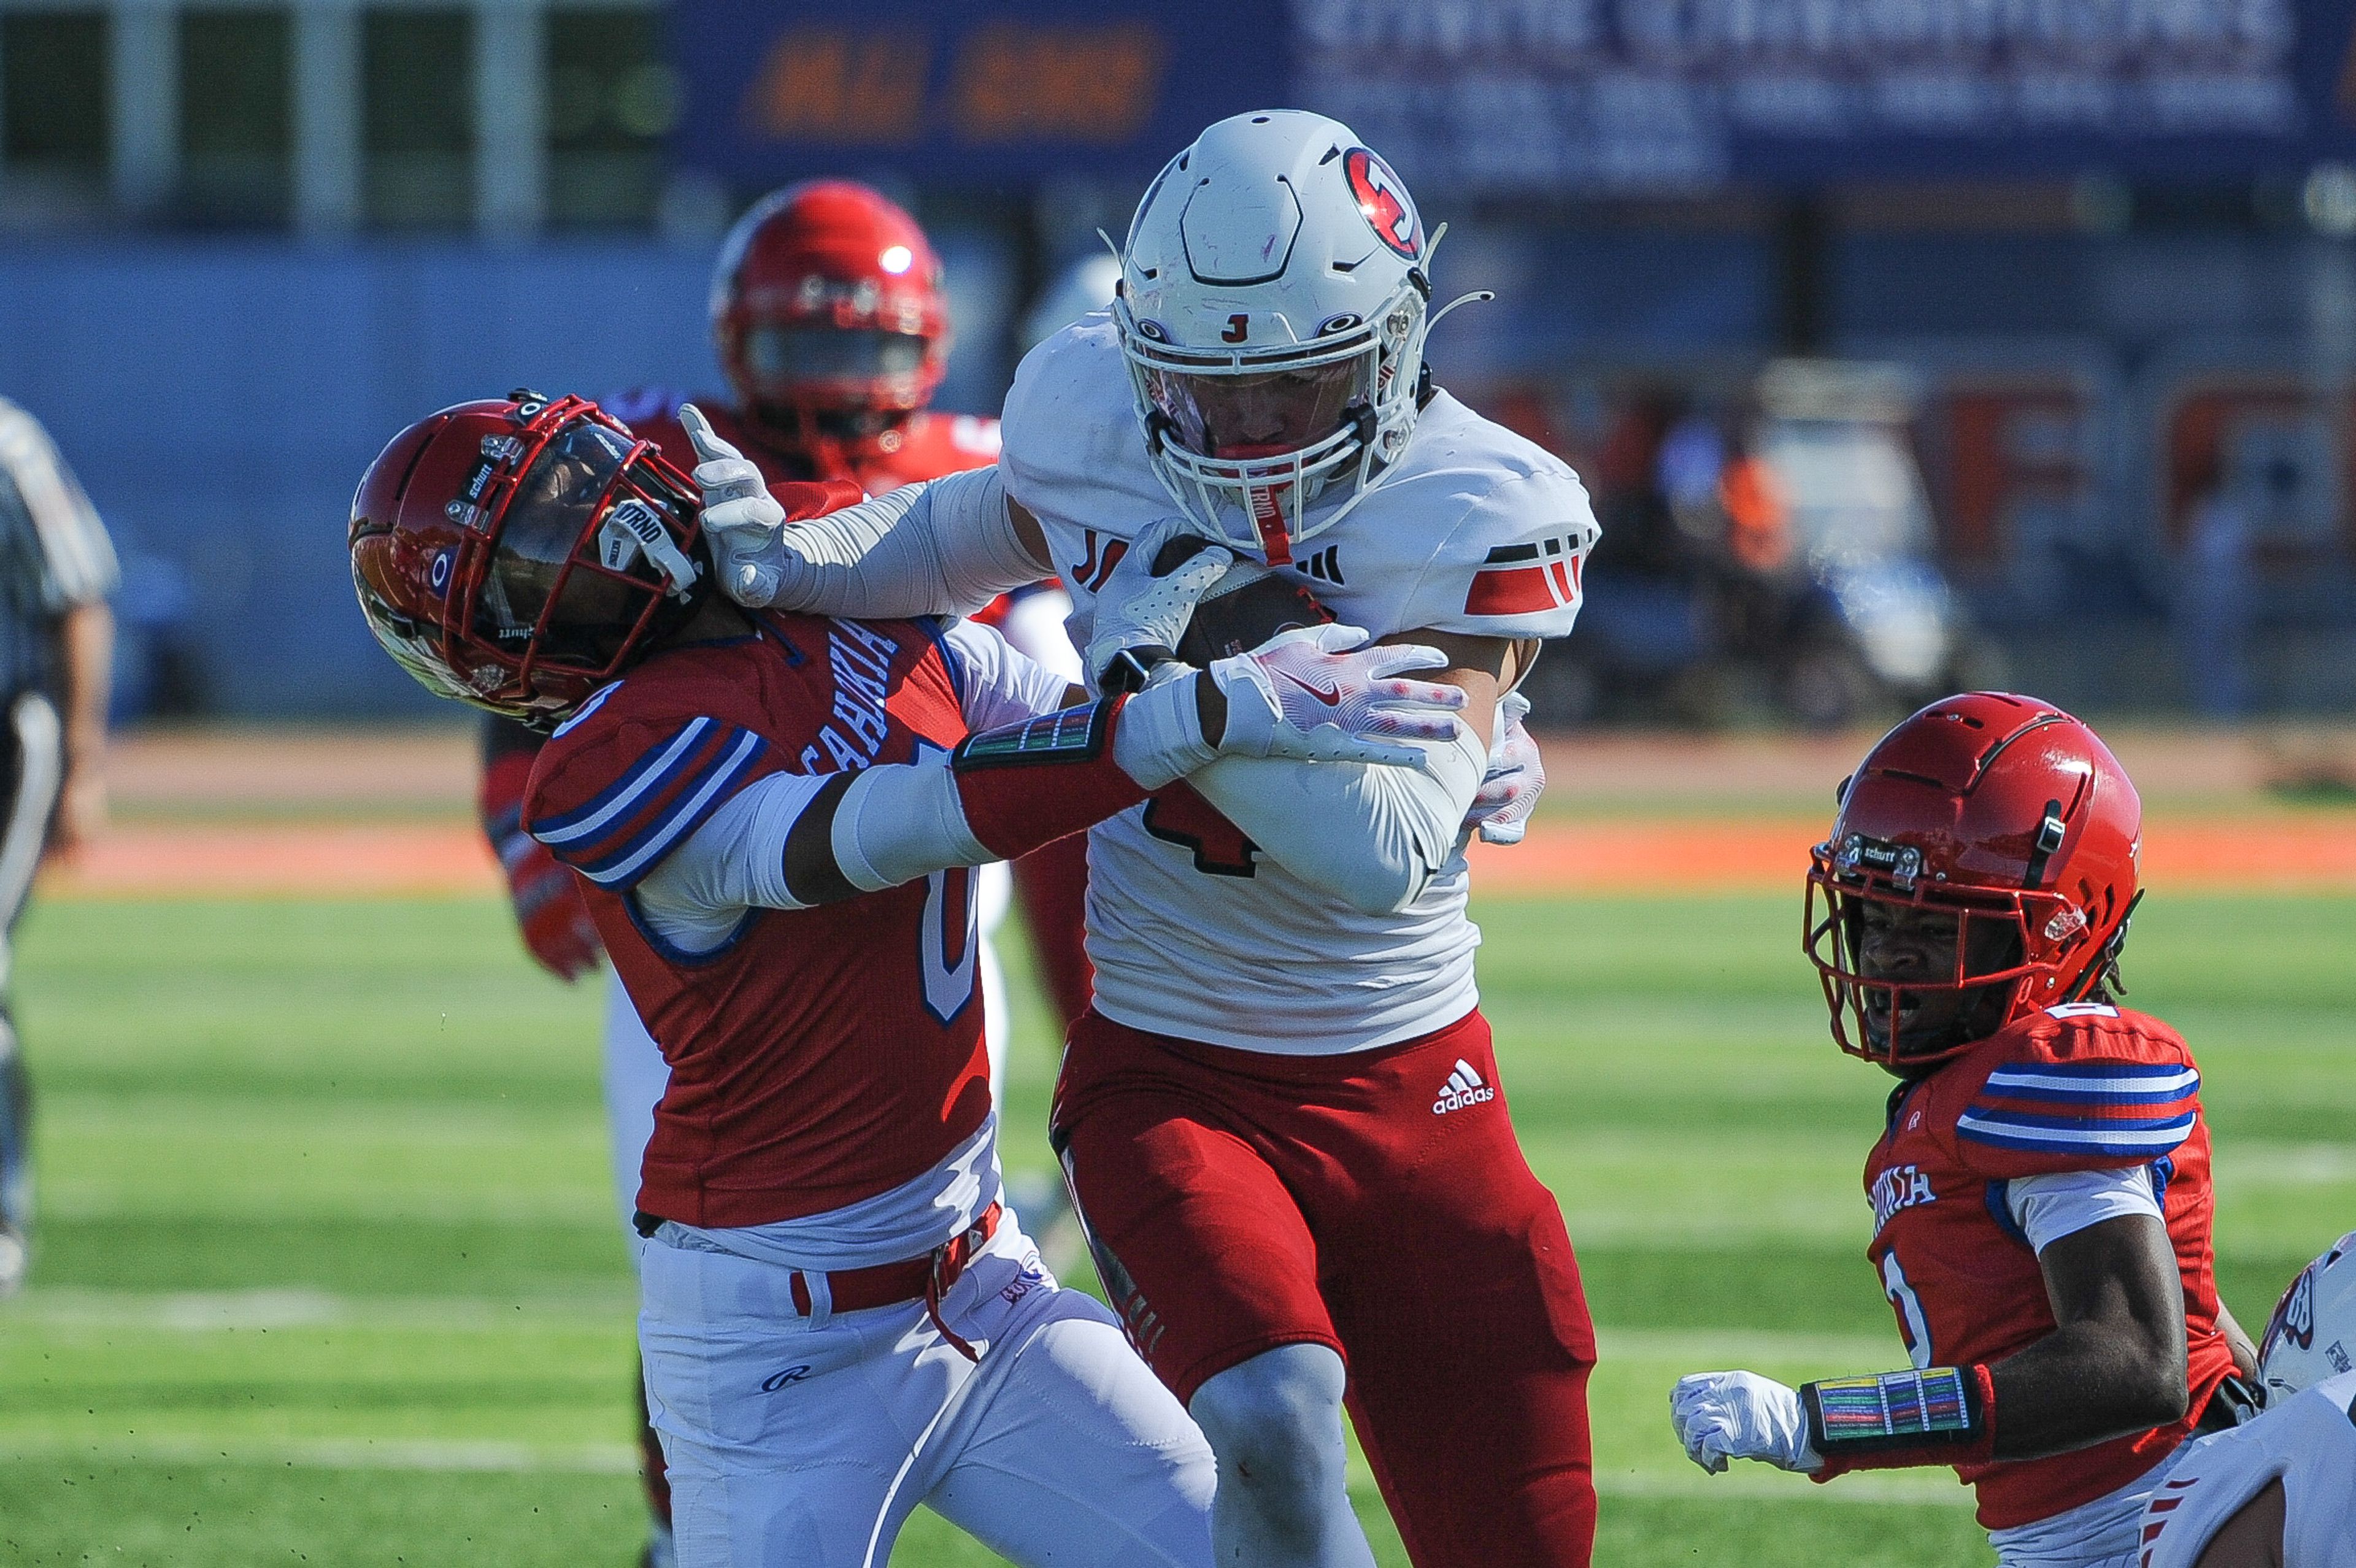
2083	1087
819	1057
1193	931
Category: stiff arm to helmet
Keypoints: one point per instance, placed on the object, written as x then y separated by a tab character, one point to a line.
943	548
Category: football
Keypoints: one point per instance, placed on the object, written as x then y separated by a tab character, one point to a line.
1245	607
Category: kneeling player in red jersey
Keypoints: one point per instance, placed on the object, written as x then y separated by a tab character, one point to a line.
776	819
2040	1192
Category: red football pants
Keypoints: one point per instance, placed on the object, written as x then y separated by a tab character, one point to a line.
1376	1202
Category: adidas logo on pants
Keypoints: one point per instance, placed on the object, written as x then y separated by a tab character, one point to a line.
1464	1088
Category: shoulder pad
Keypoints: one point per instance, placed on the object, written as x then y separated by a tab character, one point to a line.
1511	565
1063	421
2078	1088
621	784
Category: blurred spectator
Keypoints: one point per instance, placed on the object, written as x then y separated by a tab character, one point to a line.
2215	601
57	568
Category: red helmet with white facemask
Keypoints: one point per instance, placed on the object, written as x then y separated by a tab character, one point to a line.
518	553
1274	299
1999	813
828	312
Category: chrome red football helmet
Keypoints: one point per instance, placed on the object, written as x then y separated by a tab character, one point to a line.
1989	809
827	310
516	553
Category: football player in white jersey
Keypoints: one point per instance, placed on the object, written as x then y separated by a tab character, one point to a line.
2280	1489
1282	1118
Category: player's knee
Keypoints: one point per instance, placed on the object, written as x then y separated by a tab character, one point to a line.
1275	1421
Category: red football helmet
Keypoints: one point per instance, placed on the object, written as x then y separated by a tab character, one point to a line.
828	312
516	553
1998	812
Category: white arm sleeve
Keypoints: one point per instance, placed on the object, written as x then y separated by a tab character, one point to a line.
904	821
896	823
997	682
696	895
2047	1208
946	548
1372	837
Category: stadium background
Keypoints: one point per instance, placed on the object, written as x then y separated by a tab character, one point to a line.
325	1271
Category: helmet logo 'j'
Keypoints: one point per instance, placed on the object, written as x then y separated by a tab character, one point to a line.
1380	198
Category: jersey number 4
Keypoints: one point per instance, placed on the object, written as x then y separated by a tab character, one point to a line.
1179	816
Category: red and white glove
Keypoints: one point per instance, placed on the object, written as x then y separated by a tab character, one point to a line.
1318	693
1741	1416
1517	777
550	914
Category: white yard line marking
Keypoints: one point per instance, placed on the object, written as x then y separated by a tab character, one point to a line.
1874	1491
336	1453
202	1311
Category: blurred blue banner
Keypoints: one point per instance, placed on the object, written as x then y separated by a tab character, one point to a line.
1596	96
1647	95
947	89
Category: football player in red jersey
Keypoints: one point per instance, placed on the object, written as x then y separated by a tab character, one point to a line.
2040	1190
828	318
776	817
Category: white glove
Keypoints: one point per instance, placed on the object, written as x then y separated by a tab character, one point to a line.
742	520
1136	609
1305	694
1741	1416
1517	777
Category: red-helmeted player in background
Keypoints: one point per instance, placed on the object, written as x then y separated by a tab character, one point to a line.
828	318
2040	1190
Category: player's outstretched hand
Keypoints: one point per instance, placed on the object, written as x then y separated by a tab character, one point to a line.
1136	612
1318	693
1741	1416
1517	777
740	519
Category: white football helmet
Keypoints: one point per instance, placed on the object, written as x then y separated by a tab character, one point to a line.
2312	1335
1274	298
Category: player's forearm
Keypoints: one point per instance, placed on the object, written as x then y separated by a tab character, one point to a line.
1372	838
946	548
2085	1383
89	642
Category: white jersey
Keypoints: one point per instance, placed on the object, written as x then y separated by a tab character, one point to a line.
1192	932
2307	1442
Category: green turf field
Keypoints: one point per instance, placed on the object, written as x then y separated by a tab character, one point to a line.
328	1273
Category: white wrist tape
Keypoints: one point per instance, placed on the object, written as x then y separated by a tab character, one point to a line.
1161	733
946	548
899	823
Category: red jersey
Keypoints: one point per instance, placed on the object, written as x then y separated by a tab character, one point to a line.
820	1056
926	445
2083	1087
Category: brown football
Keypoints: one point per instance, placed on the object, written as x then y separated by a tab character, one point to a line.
1244	608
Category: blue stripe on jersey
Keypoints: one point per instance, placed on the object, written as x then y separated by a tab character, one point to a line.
2065	1074
696	801
2067	1122
2123	1140
618	798
2152	1093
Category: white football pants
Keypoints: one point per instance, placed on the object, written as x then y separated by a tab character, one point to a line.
805	1443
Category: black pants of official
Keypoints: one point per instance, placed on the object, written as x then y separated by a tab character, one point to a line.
32	766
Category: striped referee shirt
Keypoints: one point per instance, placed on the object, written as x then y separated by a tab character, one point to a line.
54	553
